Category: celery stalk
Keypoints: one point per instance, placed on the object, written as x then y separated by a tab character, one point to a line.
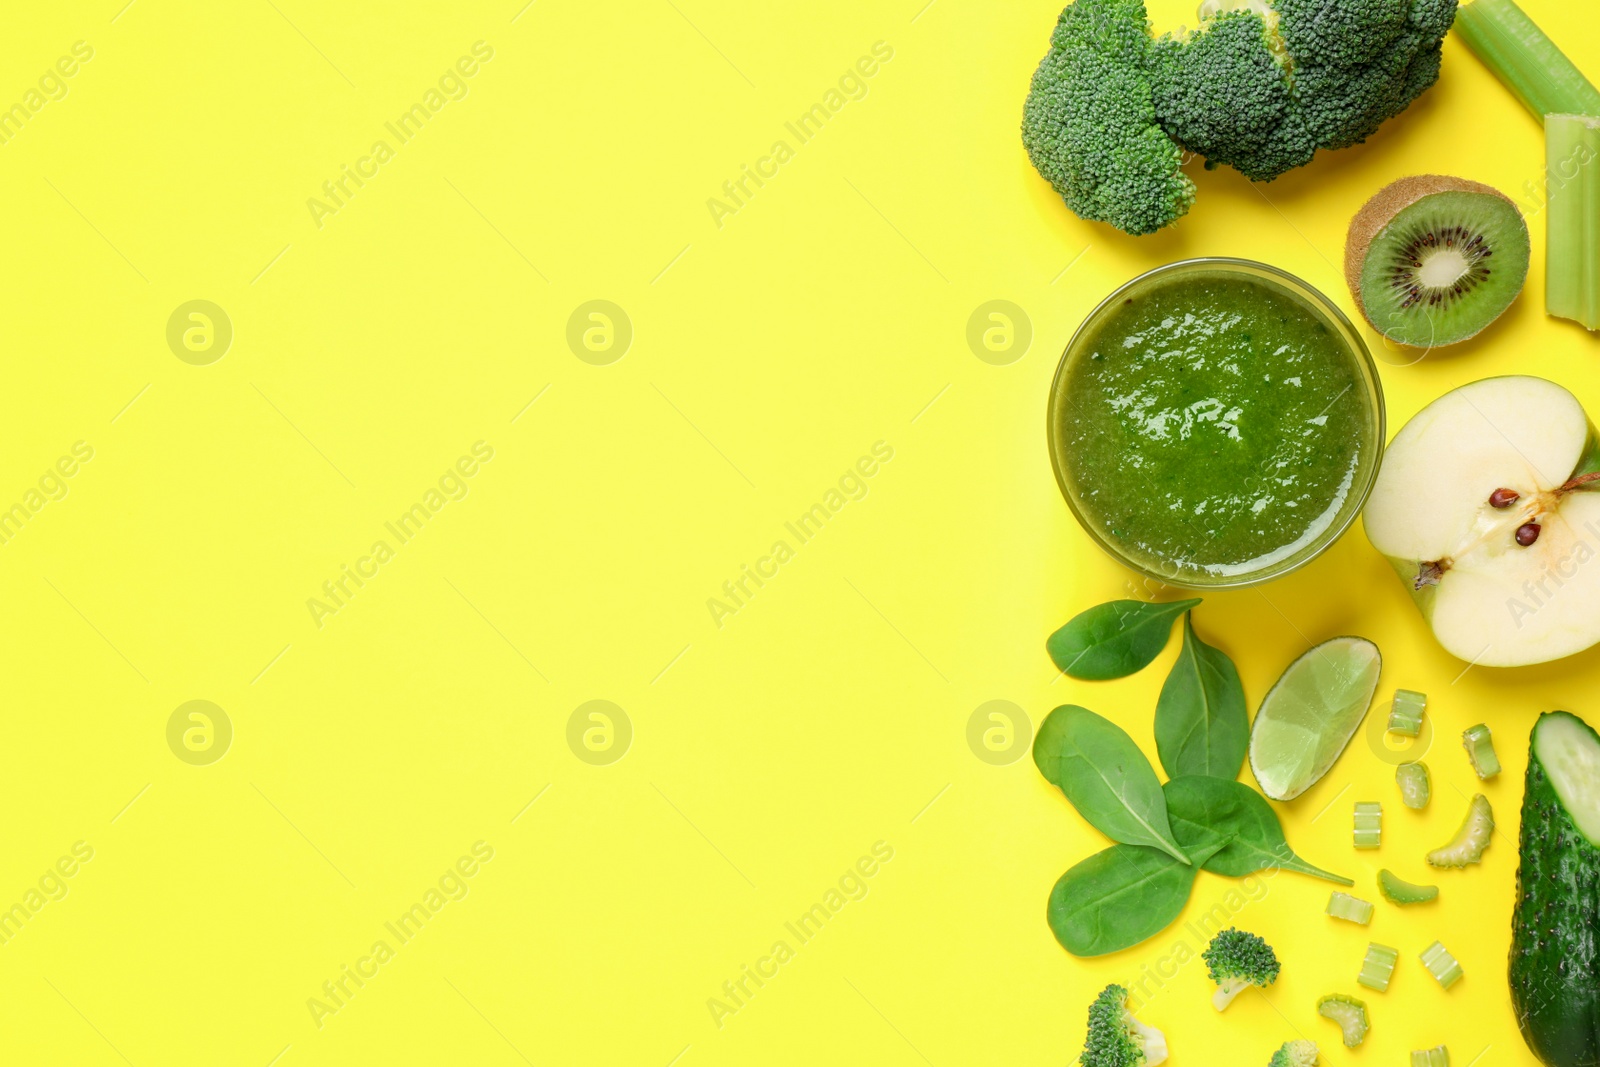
1572	257
1378	967
1415	785
1441	964
1479	743
1405	716
1518	53
1352	909
1368	824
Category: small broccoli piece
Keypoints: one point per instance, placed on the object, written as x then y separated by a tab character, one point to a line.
1089	124
1116	1038
1295	1054
1236	961
1349	1013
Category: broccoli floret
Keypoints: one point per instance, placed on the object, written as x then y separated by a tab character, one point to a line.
1341	33
1359	63
1223	95
1116	1038
1295	1054
1236	961
1090	126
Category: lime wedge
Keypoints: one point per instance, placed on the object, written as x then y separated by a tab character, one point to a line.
1311	713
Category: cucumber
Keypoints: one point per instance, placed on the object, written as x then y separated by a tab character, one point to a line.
1555	958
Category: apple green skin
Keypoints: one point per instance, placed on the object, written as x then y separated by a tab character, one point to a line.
1588	462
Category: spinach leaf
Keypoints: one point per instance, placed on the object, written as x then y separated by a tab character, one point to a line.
1106	777
1117	898
1114	639
1201	723
1206	811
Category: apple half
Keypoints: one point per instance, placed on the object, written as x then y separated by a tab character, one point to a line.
1488	507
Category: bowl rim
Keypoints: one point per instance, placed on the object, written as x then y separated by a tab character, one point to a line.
1321	304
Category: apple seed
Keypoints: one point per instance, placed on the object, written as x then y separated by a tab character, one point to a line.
1527	534
1503	498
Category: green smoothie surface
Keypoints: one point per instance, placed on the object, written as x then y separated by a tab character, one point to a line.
1213	426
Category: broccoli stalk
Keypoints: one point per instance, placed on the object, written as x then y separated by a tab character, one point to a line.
1295	1054
1236	961
1116	1038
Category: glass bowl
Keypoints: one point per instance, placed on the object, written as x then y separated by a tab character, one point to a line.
1270	565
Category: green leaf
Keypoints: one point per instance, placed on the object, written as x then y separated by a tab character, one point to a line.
1106	777
1201	723
1206	812
1114	639
1117	898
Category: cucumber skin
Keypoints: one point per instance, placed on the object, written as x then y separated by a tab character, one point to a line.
1555	957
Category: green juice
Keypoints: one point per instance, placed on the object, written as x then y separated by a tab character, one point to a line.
1213	426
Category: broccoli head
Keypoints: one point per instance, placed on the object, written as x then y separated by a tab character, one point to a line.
1261	86
1236	961
1295	1054
1090	122
1116	1038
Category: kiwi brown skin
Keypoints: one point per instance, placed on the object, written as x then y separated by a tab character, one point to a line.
1381	210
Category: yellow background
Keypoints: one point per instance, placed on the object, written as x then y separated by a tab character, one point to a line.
768	354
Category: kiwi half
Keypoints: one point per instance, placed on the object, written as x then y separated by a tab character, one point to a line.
1432	260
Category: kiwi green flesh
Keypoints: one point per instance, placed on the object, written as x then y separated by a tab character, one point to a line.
1445	268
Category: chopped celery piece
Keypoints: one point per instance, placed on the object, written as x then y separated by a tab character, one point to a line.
1572	254
1518	53
1432	1057
1378	967
1480	749
1405	714
1398	891
1415	785
1352	909
1349	1013
1477	830
1369	824
1441	964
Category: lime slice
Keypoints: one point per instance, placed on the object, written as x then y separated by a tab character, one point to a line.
1311	713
